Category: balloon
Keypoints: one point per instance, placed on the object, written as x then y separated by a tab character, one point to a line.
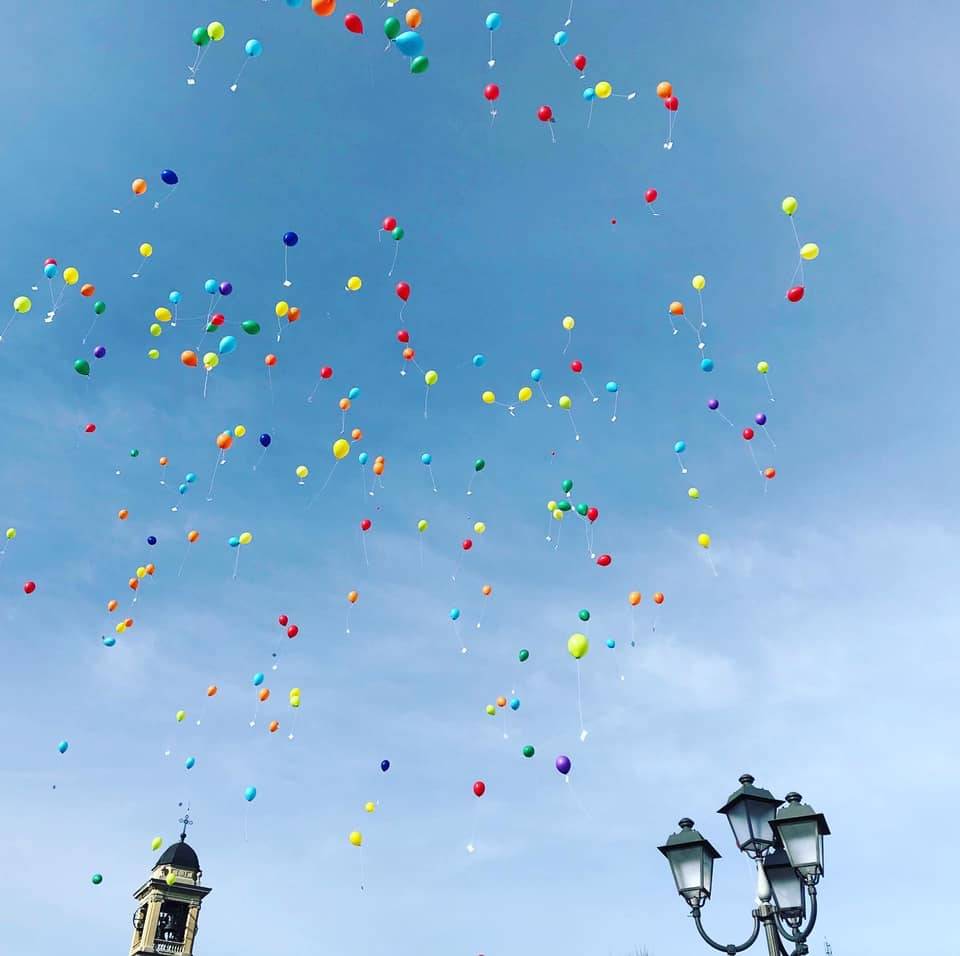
410	43
413	18
747	434
576	366
391	28
789	205
603	89
265	439
454	614
604	560
188	358
431	377
246	537
139	186
523	655
589	94
544	114
491	710
580	62
146	250
341	448
664	89
251	327
479	465
250	794
210	360
216	30
96	879
795	294
528	751
227	345
180	716
680	446
493	21
651	195
560	38
760	418
190	763
634	597
210	286
479	788
87	289
11	533
257	679
769	472
353	23
525	394
156	843
264	694
323	8
488	398
384	765
81	366
693	493
70	275
50	271
612	387
706	365
162	314
174	297
153	354
658	598
563	764
703	540
290	239
63	746
569	322
171	878
369	806
22	304
578	645
699	283
200	36
565	402
356	838
398	232
672	104
418	64
763	367
273	726
169	177
389	224
354	283
253	47
491	91
403	290
466	544
809	250
479	527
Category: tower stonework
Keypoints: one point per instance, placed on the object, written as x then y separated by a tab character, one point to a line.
165	922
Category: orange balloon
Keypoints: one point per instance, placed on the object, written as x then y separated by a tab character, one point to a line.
664	89
501	701
264	693
486	590
128	622
192	536
408	353
356	434
380	459
352	596
163	461
134	584
676	308
224	440
293	313
188	358
139	187
274	726
323	8
112	604
658	598
378	467
151	568
212	690
413	17
87	289
122	514
270	359
634	597
344	404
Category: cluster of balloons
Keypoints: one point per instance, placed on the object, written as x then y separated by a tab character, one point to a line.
807	252
408	42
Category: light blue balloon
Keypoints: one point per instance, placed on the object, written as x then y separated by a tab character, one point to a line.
409	43
174	297
706	365
479	360
426	458
589	93
454	614
493	21
108	641
234	542
294	3
183	489
190	477
50	270
354	392
680	446
560	38
257	679
515	703
536	375
611	643
363	458
189	763
250	794
63	746
253	48
227	345
211	286
612	387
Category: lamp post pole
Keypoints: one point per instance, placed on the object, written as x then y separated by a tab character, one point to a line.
786	842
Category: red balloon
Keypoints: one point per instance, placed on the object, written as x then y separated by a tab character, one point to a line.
366	524
576	366
613	222
293	630
479	788
403	290
580	62
282	620
651	195
604	560
795	294
491	91
353	23
770	473
389	224
544	114
218	319
748	434
403	336
29	587
326	372
90	429
467	544
592	514
672	104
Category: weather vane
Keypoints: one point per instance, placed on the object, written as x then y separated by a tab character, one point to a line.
185	821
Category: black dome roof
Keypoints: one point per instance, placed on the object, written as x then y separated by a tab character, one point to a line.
180	855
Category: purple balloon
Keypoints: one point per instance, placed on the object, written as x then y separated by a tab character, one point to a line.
563	764
760	418
100	351
226	288
712	404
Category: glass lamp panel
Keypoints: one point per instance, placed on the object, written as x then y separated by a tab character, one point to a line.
760	815
786	885
739	823
687	866
801	840
707	873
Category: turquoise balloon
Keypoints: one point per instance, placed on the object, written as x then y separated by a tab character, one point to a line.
409	43
253	48
493	21
227	345
560	38
250	794
589	93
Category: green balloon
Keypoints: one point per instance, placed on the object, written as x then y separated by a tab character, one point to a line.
398	233
391	27
564	506
524	654
134	452
528	751
419	64
566	485
82	366
479	465
584	615
582	510
96	879
200	36
211	327
250	327
99	307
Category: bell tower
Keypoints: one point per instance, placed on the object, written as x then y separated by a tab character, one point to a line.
165	922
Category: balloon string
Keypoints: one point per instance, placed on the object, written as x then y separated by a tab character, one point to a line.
206	378
713	567
583	732
164	198
756	464
569	340
236	564
426	398
363	483
769	437
727	420
543	393
184	561
260	459
553	135
589	390
683	467
672	326
703	324
396	254
590	115
564	55
7	326
548	536
556	547
363	541
286	281
576	433
491	62
769	389
569	19
473	833
432	479
616	403
323	487
84	339
233	87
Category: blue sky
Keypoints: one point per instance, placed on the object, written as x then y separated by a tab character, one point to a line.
821	656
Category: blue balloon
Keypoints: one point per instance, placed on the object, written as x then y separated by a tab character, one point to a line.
250	794
354	392
190	477
225	288
479	360
384	765
363	458
108	641
409	43
227	345
560	38
265	440
234	542
612	387
189	763
151	539
611	643
493	21
706	365
426	458
257	679
174	297
210	286
169	177
589	93
50	270
294	3
63	746
454	614
253	48
536	375
515	703
680	446
182	489
290	238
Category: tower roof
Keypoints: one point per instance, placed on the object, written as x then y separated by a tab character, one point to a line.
180	855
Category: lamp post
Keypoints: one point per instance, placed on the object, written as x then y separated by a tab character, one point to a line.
786	842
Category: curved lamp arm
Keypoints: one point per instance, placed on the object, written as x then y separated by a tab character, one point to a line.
730	949
801	935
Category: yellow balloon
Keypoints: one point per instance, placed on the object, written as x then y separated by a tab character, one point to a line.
565	402
789	205
763	367
11	533
294	691
491	710
809	250
356	838
281	308
171	878
703	540
569	322
180	715
71	276
699	283
246	537
141	573
422	525
22	304
302	471
156	843
488	398
525	393
558	514
294	701
431	377
153	354
578	645
354	283
603	89
156	329
146	250
216	30
551	506
162	314
239	431
479	527
210	360
693	493
341	448
121	627
369	806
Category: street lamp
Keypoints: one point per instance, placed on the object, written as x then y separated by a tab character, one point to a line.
787	844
